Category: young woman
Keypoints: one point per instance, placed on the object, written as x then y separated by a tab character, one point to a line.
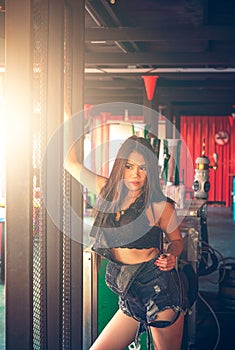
132	215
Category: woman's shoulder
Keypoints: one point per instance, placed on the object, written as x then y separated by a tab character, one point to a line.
156	210
165	215
164	206
167	202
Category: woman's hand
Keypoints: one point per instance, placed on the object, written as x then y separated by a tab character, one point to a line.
166	262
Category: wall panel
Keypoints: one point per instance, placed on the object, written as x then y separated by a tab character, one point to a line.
194	130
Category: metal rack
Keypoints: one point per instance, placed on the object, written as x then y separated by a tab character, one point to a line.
193	226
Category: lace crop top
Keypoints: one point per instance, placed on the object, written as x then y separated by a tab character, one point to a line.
132	230
151	239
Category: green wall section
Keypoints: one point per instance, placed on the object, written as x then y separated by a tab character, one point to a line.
108	302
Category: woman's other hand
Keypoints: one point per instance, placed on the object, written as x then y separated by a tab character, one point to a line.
166	262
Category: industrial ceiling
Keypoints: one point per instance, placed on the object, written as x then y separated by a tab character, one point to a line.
188	44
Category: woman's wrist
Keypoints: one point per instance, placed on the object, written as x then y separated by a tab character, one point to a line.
175	248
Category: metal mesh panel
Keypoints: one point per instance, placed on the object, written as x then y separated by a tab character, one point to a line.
66	277
40	31
40	54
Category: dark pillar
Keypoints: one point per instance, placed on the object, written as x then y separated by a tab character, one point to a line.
18	176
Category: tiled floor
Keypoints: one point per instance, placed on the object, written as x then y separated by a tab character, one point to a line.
215	321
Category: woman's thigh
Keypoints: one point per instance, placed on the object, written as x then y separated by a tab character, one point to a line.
168	337
118	334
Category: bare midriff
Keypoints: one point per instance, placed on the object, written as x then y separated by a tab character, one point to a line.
133	255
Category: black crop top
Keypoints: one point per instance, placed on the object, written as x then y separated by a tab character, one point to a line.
151	239
132	230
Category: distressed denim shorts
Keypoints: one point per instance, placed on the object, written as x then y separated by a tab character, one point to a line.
150	291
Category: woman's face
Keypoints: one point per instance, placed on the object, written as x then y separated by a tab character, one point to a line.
135	172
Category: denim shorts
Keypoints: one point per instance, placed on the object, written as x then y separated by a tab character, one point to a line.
148	291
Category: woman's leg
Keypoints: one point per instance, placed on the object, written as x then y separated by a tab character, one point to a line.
168	338
118	334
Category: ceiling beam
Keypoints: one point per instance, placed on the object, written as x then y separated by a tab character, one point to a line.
110	92
190	109
203	110
208	98
111	84
177	33
161	83
185	92
172	93
173	59
97	100
219	74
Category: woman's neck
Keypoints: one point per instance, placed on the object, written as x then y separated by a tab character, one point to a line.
133	195
130	198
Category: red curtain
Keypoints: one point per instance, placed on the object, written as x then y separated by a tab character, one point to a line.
193	131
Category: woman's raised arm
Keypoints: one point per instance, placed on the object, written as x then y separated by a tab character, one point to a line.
84	176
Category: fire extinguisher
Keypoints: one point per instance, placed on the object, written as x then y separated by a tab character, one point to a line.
201	184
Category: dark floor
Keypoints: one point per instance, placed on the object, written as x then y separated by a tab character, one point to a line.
215	306
214	318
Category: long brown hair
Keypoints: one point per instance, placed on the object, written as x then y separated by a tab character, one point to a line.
115	191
